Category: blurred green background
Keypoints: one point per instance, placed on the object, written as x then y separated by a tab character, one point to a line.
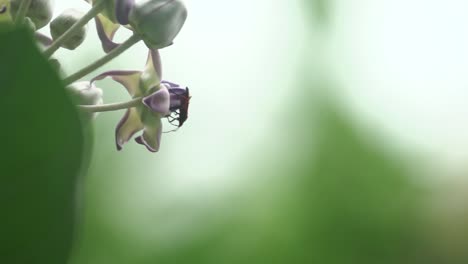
318	132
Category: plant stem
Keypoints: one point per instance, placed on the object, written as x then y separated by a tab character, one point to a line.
22	10
94	11
111	107
108	57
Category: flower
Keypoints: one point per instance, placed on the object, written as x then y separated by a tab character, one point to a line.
159	99
157	22
180	98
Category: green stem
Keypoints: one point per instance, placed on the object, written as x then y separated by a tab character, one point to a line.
22	10
108	57
94	11
111	107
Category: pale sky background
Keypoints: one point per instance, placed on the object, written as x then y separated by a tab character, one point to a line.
403	64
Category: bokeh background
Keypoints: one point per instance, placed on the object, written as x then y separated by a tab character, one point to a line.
319	131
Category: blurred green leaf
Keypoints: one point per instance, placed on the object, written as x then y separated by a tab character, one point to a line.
319	10
42	145
337	197
356	202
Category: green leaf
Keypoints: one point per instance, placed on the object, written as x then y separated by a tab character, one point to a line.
41	153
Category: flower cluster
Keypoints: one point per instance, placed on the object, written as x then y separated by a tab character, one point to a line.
155	22
159	99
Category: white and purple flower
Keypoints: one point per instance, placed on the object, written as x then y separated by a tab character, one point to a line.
159	99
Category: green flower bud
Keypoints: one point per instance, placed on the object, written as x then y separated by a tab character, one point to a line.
40	11
158	21
29	24
65	21
85	93
56	65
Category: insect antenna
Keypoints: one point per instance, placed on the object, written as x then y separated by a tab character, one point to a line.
170	131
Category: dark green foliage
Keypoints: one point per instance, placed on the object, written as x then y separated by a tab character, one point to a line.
41	152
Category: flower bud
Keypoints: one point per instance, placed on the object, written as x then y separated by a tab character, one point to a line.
29	24
56	65
65	21
85	93
40	11
158	21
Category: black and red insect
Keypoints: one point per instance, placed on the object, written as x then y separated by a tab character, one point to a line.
179	111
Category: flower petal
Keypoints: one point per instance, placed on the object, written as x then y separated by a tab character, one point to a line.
127	127
170	84
152	73
151	137
129	79
43	39
106	30
159	101
84	93
122	9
